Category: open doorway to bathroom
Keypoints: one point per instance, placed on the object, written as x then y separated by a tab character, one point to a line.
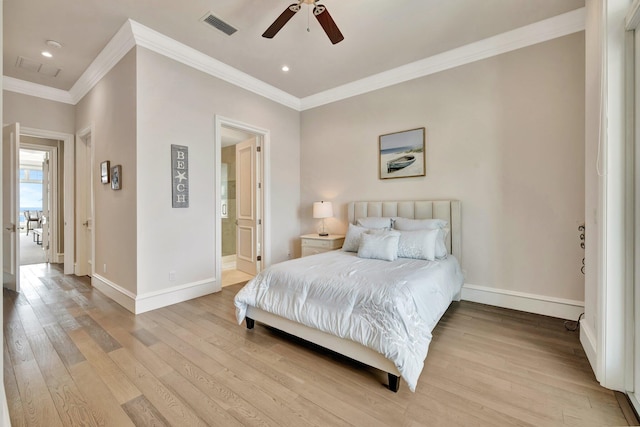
240	204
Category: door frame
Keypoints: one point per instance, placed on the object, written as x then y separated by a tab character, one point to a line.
69	190
264	136
632	188
11	280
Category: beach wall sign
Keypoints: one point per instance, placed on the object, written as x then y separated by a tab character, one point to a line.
179	176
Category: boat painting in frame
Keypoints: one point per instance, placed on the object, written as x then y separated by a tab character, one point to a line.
402	154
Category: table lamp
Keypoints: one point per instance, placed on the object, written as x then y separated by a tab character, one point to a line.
322	210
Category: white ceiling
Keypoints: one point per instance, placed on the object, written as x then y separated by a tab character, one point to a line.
379	34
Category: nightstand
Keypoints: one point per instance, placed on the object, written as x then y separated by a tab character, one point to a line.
313	244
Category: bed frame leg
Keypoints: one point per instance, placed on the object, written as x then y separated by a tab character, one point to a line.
394	383
250	323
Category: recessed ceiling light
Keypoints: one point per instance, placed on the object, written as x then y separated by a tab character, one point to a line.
285	68
47	54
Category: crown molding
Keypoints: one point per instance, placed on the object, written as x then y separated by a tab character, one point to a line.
159	43
548	29
133	33
34	89
112	53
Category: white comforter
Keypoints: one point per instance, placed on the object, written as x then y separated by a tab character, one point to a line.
390	307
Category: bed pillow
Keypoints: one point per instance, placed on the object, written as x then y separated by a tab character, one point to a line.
352	239
407	224
377	245
441	245
375	222
418	244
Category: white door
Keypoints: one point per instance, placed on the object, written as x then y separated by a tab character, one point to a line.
246	207
46	208
84	206
11	202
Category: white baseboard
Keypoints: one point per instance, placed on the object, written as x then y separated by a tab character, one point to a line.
122	296
152	300
59	258
588	341
176	294
532	303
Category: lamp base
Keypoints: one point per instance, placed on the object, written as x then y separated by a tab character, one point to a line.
323	234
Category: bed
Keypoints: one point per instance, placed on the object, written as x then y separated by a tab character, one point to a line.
380	313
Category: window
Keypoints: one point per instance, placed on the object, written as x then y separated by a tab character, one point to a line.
30	189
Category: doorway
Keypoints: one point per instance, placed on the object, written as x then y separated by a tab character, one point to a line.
33	194
242	200
61	202
41	188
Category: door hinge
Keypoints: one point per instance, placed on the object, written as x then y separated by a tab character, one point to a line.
259	258
259	185
259	222
258	149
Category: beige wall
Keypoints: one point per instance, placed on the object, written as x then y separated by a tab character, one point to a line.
111	108
38	113
504	135
177	105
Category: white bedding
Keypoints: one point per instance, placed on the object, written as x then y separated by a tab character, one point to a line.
390	307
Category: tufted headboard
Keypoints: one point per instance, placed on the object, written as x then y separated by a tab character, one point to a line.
448	210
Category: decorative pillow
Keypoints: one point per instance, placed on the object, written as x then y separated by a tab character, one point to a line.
382	246
352	239
407	224
418	244
375	222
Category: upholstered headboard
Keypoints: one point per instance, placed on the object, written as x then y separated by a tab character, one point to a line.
448	210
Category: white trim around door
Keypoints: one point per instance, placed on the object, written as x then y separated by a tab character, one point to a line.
265	228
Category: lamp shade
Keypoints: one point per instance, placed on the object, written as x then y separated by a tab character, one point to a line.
322	209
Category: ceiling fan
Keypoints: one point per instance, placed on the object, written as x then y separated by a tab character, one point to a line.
321	13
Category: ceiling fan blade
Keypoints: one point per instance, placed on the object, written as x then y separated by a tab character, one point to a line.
281	20
328	24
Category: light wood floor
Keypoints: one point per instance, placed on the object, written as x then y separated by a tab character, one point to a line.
73	357
232	277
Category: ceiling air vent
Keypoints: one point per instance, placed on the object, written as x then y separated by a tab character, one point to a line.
37	67
215	22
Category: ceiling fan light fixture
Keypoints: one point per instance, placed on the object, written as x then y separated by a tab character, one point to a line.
319	11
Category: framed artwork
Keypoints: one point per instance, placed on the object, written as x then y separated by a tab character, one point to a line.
116	177
402	154
104	172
